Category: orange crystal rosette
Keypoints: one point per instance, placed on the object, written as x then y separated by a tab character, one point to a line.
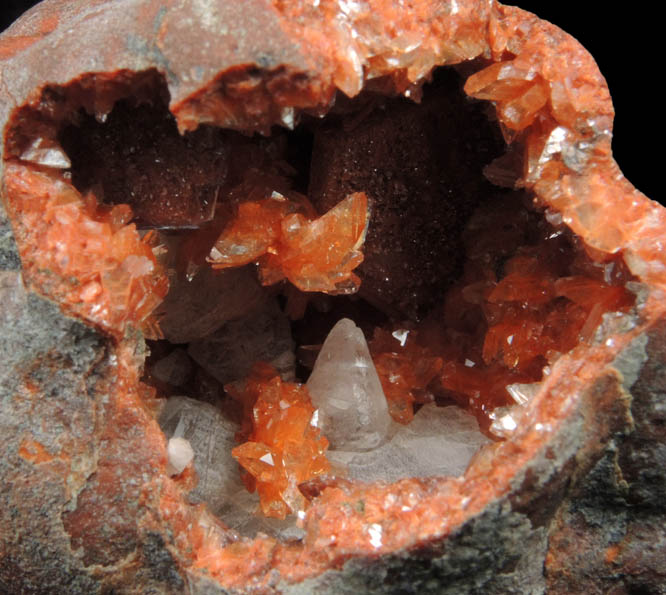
284	447
247	66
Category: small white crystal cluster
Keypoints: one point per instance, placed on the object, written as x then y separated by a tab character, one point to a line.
353	414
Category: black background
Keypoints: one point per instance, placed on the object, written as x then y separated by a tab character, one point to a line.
624	41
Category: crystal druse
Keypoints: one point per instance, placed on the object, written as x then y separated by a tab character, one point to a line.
303	295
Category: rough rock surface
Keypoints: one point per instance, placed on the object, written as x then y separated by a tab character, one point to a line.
571	503
52	399
261	335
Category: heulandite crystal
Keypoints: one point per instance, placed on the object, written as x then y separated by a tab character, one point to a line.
538	327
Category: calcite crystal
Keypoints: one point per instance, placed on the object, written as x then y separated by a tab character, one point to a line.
525	285
345	388
438	441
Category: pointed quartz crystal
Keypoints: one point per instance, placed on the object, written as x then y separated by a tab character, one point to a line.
344	386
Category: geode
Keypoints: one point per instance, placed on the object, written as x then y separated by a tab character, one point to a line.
125	122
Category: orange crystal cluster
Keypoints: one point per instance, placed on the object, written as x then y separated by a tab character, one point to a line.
284	447
405	370
286	238
559	120
500	329
86	256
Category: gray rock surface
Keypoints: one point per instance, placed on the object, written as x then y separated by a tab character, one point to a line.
198	307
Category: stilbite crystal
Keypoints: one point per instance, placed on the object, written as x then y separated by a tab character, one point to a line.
405	370
344	386
528	294
284	446
315	254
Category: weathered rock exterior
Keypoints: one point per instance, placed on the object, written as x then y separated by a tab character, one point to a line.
572	503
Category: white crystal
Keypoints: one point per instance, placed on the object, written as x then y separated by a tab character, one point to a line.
523	393
344	386
46	152
375	531
180	455
504	421
212	436
440	441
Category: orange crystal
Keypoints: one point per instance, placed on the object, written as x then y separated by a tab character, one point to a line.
285	238
551	295
86	256
284	447
405	370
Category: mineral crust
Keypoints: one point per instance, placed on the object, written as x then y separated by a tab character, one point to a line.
568	330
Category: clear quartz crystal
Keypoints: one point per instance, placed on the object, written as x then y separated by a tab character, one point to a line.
47	153
344	386
523	393
504	421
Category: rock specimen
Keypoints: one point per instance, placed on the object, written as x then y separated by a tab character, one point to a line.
345	388
569	500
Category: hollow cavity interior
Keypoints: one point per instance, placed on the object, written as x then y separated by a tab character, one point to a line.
349	297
